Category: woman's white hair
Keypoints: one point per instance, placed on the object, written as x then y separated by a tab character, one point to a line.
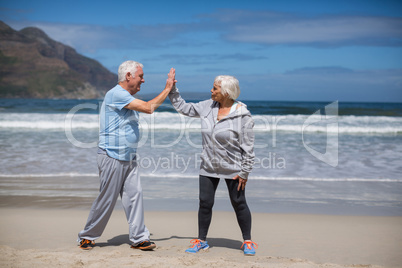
229	85
128	67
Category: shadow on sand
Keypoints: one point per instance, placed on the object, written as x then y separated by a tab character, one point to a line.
213	242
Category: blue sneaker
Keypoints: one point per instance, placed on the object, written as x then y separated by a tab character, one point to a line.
250	248
197	245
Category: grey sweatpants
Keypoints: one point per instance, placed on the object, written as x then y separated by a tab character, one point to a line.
117	178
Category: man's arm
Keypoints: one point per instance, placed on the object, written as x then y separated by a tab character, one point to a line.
150	106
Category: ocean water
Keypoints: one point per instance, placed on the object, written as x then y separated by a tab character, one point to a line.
311	157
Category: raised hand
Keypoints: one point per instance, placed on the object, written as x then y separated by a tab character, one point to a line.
171	81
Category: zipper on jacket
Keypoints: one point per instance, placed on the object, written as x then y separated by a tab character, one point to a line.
213	142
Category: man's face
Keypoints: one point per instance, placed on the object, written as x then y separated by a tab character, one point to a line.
135	81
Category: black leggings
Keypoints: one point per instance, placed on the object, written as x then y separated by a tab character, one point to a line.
208	187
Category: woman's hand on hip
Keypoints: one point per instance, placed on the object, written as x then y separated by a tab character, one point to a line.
242	182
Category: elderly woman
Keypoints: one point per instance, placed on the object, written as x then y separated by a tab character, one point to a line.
228	153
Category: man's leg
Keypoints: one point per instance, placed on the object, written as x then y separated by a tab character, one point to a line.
131	196
111	174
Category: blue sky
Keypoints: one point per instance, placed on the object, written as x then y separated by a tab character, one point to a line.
279	50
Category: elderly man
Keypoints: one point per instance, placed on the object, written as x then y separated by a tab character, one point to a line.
118	170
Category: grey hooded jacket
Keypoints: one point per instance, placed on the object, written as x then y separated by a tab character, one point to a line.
228	144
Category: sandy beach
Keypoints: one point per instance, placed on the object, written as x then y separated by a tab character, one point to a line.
46	237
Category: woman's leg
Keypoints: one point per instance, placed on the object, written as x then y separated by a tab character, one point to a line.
243	214
208	187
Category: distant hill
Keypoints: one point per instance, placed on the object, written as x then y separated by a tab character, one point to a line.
32	65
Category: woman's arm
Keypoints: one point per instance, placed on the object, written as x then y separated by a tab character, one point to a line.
247	147
181	106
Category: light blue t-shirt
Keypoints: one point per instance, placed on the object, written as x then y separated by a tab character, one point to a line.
118	126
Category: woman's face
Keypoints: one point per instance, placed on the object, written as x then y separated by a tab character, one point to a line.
216	93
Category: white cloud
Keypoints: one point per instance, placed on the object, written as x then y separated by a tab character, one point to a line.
278	28
238	26
89	38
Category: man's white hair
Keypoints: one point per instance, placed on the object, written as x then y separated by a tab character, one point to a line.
229	85
127	67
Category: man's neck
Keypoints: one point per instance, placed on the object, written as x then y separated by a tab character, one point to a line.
125	86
